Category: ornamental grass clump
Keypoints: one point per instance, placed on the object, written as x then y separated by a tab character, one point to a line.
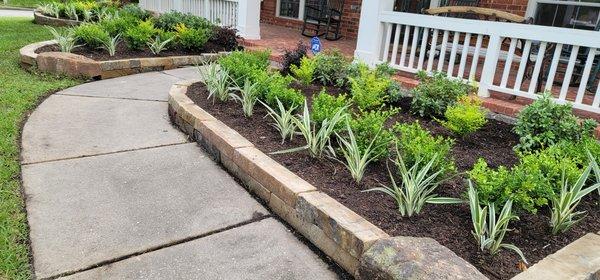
563	214
248	97
489	229
284	120
110	44
358	159
65	39
159	44
417	186
51	9
317	140
217	82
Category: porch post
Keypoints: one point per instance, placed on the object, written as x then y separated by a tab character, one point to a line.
371	30
248	19
489	65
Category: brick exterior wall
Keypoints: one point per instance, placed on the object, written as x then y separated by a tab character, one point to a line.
351	13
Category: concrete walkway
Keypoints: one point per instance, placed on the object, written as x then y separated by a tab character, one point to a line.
15	13
113	191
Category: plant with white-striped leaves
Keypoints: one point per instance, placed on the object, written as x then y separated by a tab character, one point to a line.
284	119
217	82
157	44
358	159
248	96
110	43
65	39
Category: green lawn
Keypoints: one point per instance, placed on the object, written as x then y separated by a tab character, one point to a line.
24	3
20	91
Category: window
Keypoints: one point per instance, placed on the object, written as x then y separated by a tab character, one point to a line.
569	14
290	9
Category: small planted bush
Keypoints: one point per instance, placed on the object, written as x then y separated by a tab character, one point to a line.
416	188
305	72
274	86
416	143
464	117
370	125
358	158
217	82
50	9
245	64
110	44
139	35
118	25
284	120
324	105
160	43
544	123
369	90
293	57
170	20
91	34
225	37
435	94
248	97
489	229
331	68
65	38
192	38
135	11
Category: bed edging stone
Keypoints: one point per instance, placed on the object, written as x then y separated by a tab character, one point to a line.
42	19
74	65
336	230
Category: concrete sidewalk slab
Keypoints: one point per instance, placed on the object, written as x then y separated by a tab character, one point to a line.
89	210
146	86
186	73
261	250
71	126
15	13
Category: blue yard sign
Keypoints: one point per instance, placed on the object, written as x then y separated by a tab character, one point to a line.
315	45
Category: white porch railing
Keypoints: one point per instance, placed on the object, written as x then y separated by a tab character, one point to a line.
244	15
503	57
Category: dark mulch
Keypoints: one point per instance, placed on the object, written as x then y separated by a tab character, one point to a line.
450	225
123	52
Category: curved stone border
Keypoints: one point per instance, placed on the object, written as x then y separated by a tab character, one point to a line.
74	65
338	231
42	19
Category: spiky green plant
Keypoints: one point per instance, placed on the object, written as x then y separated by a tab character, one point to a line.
417	187
358	159
51	9
110	44
284	119
248	97
158	44
317	141
563	215
71	11
65	39
217	82
87	15
490	232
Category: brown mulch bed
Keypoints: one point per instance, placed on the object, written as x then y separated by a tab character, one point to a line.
450	225
123	52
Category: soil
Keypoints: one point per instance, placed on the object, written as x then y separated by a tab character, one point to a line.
450	225
123	52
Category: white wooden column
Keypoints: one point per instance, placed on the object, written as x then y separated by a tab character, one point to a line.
248	21
371	31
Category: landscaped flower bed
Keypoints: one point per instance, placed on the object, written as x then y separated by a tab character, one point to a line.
109	32
375	123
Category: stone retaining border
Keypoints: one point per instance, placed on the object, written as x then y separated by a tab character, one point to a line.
42	19
338	231
74	65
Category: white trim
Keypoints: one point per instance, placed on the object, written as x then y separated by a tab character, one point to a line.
300	10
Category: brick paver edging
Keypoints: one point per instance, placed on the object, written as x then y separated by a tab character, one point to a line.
338	231
74	65
42	19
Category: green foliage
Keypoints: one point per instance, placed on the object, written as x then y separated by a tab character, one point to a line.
465	117
50	9
91	34
248	97
110	44
245	64
418	184
274	86
138	35
331	68
417	144
168	21
563	215
367	125
64	38
358	159
305	72
159	43
118	25
192	38
284	120
324	105
490	233
434	94
369	90
135	11
217	82
544	123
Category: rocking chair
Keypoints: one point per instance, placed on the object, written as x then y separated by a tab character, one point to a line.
323	14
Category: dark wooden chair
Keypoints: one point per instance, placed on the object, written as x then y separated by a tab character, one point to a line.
323	17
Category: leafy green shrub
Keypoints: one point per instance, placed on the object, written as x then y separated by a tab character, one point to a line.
331	68
138	35
192	38
118	25
135	11
225	37
464	117
434	94
245	64
367	125
293	57
305	72
369	90
544	123
91	34
417	144
168	21
324	105
274	86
